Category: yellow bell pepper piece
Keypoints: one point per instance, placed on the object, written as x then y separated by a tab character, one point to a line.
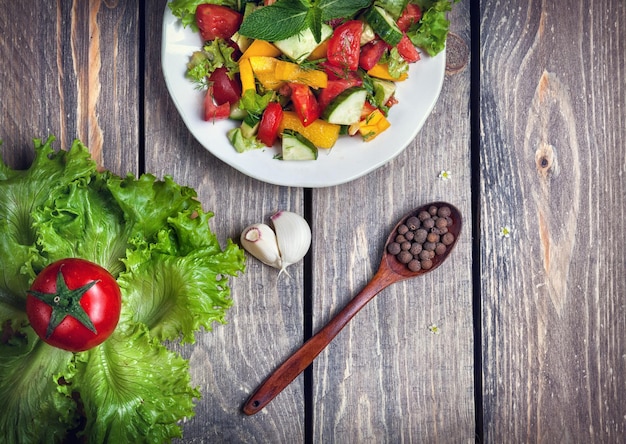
320	51
268	80
374	124
263	64
321	133
292	72
260	48
382	72
247	75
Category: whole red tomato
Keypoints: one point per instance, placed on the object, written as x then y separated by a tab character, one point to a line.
74	304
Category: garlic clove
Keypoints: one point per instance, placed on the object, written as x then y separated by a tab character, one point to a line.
293	235
260	241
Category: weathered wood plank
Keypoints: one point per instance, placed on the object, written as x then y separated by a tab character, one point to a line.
553	114
266	322
387	377
64	79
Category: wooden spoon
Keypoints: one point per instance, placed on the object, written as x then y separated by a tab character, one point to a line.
391	270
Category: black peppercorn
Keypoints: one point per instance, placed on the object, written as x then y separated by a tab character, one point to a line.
413	223
393	248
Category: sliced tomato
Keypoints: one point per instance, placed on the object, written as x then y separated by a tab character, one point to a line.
391	102
333	72
213	111
411	15
304	103
270	122
217	21
371	53
334	88
225	89
368	109
407	49
345	44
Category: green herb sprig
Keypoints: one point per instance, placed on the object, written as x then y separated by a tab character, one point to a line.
286	18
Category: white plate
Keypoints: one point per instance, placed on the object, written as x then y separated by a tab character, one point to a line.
349	159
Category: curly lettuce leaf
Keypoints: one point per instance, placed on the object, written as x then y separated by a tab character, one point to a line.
155	239
179	284
34	409
20	193
83	220
133	389
431	32
147	203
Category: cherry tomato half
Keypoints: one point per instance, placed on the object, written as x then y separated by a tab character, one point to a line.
270	123
345	44
74	304
212	111
334	88
304	103
225	89
217	21
407	49
411	15
371	53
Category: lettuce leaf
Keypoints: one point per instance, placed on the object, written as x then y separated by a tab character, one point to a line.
133	389
20	193
32	406
431	32
154	237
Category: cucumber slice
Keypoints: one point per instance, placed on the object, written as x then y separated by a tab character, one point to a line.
393	7
346	108
383	90
298	47
384	25
298	147
241	143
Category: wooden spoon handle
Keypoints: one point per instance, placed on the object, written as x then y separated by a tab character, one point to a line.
304	356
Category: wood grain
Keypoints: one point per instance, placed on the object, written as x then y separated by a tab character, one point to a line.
266	322
70	79
553	115
387	377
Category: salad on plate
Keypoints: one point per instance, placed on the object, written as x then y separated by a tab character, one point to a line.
301	74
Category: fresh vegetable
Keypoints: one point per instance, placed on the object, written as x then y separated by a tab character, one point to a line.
300	46
154	238
374	124
410	16
345	44
346	108
297	147
226	89
321	133
215	21
212	111
74	304
287	244
304	103
270	122
383	25
431	31
371	53
306	55
286	18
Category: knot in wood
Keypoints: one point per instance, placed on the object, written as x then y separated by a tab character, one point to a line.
544	159
457	54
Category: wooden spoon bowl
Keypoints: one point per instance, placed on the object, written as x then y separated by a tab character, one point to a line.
391	270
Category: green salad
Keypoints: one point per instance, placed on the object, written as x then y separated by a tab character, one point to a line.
154	238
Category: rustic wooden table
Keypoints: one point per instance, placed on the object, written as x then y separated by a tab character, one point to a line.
530	345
